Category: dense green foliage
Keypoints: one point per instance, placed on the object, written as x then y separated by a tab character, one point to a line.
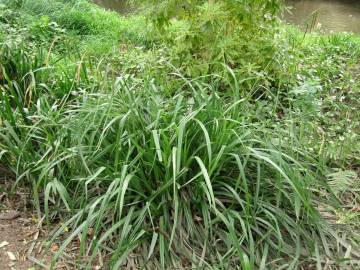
151	165
238	34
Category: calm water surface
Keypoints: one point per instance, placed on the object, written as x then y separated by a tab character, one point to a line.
116	5
333	15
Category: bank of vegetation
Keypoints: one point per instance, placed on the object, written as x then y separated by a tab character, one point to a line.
204	136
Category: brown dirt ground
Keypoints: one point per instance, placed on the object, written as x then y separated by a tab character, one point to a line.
23	236
19	234
15	232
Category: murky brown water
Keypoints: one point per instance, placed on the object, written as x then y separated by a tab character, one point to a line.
333	15
116	5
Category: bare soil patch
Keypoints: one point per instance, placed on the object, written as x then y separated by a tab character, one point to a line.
20	235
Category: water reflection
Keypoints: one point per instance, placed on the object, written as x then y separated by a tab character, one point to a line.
333	15
116	5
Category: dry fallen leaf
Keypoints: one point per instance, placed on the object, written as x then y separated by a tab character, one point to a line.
11	255
10	215
54	247
3	244
90	232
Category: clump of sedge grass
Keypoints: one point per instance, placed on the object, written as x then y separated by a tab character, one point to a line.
189	180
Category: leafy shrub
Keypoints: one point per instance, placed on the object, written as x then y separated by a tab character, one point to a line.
239	34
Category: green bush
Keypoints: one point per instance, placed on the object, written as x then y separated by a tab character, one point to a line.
238	34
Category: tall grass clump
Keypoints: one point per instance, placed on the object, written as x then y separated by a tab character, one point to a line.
187	181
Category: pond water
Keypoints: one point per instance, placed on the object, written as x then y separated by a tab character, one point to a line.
333	15
116	5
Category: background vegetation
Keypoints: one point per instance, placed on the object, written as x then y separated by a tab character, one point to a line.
157	150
